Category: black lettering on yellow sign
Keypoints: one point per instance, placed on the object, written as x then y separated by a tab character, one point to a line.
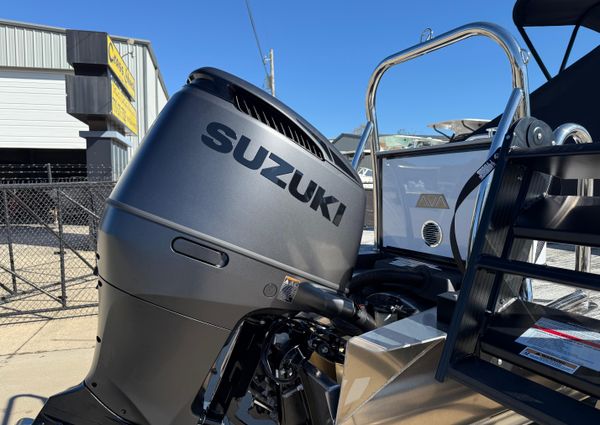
119	68
122	109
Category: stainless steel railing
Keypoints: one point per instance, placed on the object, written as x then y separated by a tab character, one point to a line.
509	115
517	58
360	149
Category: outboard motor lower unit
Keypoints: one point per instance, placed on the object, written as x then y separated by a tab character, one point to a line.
230	197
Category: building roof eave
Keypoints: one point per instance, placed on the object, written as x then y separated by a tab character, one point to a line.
60	30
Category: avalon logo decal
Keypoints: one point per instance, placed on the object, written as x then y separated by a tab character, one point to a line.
432	200
221	139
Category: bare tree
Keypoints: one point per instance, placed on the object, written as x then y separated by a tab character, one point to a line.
359	129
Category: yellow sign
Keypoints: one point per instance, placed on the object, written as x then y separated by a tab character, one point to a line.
122	109
118	67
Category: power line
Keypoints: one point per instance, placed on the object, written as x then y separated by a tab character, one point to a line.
260	52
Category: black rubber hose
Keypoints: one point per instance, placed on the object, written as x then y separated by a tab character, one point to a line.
410	279
332	305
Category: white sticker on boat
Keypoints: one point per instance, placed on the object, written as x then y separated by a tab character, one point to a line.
549	360
568	343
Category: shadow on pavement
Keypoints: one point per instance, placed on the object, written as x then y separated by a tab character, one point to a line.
10	407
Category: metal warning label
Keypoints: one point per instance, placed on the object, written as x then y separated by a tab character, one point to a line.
549	360
288	289
570	345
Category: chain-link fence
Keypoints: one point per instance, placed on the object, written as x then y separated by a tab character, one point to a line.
47	249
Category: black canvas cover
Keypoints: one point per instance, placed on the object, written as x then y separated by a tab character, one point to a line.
541	13
571	96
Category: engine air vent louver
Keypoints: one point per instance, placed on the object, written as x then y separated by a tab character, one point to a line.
265	113
431	233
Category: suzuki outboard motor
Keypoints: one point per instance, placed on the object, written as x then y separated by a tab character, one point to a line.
230	197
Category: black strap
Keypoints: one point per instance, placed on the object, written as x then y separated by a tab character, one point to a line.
475	180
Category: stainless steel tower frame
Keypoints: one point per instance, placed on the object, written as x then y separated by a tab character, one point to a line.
517	58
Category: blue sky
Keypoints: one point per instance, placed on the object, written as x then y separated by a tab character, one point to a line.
325	51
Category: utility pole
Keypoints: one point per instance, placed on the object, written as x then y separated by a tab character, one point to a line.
272	74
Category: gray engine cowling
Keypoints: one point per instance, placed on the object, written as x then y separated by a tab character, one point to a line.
228	164
230	194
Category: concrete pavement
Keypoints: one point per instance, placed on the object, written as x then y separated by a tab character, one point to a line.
39	359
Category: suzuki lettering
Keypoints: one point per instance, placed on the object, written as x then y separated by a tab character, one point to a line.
221	138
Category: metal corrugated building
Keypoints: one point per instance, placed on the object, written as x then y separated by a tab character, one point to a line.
33	118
